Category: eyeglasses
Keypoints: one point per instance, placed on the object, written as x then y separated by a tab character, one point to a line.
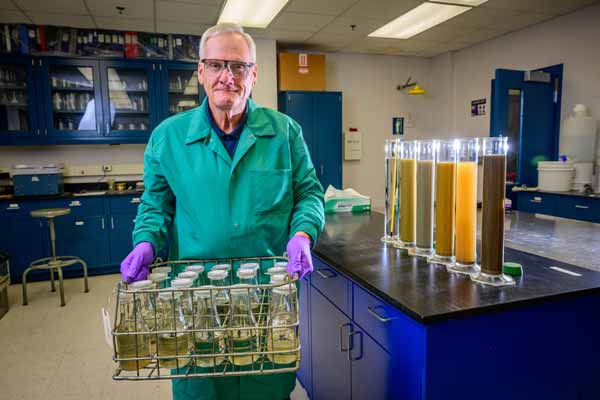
238	69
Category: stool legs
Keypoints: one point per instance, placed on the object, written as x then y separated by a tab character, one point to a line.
24	283
52	288
61	286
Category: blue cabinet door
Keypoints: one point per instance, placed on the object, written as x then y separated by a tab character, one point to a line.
300	107
85	237
305	371
121	228
129	98
22	238
70	93
372	371
539	203
178	89
19	105
328	135
330	346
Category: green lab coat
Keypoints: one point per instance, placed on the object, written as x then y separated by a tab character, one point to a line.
210	206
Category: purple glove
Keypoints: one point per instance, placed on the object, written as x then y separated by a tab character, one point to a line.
300	259
135	266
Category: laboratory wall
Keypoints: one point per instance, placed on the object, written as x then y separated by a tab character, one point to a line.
370	101
465	75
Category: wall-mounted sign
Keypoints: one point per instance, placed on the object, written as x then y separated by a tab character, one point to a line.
398	125
303	63
477	107
352	145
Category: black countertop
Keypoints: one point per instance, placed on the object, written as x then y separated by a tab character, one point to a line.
427	292
69	195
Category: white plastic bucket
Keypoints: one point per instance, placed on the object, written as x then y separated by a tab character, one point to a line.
555	176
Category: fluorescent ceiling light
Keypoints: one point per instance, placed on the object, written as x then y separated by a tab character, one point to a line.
470	3
251	13
419	19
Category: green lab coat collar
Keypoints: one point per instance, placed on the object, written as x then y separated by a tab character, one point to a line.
200	125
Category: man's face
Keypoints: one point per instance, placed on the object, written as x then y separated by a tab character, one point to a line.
224	90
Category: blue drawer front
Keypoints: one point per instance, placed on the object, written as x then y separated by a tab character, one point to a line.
333	285
537	203
79	206
17	208
125	204
581	208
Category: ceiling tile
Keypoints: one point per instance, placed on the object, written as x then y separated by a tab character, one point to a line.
13	17
443	33
7	5
204	2
280	35
181	27
480	35
382	9
363	26
75	21
300	22
139	9
186	12
481	18
330	40
73	7
524	20
555	7
125	24
327	7
450	46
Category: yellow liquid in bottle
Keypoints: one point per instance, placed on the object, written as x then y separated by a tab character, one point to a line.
245	342
283	339
210	346
170	346
127	348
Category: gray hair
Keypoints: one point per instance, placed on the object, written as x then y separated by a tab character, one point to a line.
227	27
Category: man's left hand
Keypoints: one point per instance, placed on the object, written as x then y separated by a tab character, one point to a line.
300	259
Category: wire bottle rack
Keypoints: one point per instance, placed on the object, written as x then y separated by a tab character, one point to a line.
154	345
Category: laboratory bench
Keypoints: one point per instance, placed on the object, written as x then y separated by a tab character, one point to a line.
378	324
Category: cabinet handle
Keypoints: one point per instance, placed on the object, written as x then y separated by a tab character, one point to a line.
13	207
136	200
583	207
79	223
102	223
324	276
112	223
321	169
134	220
75	203
341	327
351	339
536	201
374	313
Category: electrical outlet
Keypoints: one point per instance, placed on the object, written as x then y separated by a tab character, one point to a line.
106	168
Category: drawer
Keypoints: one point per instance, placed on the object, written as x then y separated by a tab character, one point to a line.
80	206
125	204
580	208
390	327
332	285
20	208
537	203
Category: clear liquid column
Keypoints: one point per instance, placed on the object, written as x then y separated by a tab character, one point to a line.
392	192
445	202
492	220
408	195
466	207
425	151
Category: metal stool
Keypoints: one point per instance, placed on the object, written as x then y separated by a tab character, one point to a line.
54	263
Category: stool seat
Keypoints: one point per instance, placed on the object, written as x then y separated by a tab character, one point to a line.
50	212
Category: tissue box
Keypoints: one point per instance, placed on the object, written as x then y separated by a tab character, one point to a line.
347	200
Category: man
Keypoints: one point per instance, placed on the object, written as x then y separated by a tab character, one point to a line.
228	179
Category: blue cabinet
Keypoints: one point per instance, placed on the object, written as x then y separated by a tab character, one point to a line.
320	116
372	373
121	227
85	237
179	87
537	203
22	238
565	206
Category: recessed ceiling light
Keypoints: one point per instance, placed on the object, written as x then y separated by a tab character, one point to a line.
251	13
419	19
470	3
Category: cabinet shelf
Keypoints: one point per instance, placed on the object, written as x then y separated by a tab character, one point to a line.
14	105
131	112
13	87
72	89
181	93
68	111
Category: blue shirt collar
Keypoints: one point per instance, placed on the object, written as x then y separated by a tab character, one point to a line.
236	133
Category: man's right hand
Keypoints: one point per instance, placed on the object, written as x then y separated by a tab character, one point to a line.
135	266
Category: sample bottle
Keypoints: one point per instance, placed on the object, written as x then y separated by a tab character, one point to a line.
466	207
425	150
492	219
129	343
165	270
445	202
247	276
159	279
209	340
408	195
243	338
218	278
226	268
199	269
173	346
148	306
191	275
282	333
391	225
187	298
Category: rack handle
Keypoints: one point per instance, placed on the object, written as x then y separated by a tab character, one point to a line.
374	313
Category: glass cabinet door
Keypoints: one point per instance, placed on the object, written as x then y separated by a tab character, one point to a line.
75	105
184	90
17	95
128	96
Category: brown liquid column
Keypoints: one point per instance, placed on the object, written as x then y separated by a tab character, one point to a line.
492	229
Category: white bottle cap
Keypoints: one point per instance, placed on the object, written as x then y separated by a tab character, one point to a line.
246	273
188	275
204	294
181	283
218	274
282	264
278	278
157	276
140	285
199	268
253	266
223	267
276	270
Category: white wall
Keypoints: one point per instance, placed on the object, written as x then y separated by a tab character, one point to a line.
571	39
370	100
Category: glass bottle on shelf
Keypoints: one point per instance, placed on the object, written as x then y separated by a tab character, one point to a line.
218	278
247	276
173	346
282	333
199	269
187	298
210	339
243	338
129	343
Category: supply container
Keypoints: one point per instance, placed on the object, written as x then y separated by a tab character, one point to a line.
37	180
391	225
408	195
425	151
555	176
445	202
466	207
492	219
